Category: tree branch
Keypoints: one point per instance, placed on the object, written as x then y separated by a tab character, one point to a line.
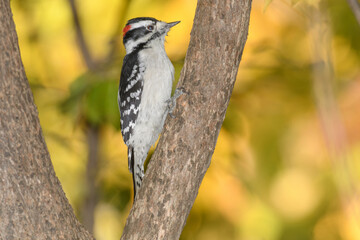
186	146
80	37
32	202
355	7
122	13
329	114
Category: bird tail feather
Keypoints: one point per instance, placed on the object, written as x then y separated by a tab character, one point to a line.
136	167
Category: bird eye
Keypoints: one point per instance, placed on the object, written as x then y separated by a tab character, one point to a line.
150	27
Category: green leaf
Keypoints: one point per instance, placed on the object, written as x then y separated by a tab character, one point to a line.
100	104
93	99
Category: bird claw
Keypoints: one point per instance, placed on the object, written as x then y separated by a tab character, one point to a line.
172	101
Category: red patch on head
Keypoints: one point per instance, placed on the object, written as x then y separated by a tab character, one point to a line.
126	29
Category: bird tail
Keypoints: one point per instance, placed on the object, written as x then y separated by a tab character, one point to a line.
131	162
131	158
136	167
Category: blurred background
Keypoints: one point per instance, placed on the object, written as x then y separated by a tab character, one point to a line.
286	162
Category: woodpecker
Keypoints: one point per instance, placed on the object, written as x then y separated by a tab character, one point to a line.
144	95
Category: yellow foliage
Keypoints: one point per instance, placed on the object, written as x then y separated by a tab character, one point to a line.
274	174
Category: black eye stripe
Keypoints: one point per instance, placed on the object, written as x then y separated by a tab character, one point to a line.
135	34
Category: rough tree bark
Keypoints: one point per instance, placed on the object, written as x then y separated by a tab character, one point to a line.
32	202
186	146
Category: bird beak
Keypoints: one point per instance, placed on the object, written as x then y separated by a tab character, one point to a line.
170	25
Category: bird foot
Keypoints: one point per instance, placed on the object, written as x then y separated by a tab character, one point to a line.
172	101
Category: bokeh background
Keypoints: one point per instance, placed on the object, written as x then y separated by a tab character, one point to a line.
286	165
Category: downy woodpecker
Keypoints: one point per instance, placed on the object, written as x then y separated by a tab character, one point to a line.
144	95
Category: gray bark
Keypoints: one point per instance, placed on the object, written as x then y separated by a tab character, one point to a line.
186	146
32	202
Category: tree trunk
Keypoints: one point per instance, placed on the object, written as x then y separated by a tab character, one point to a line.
186	146
91	196
32	202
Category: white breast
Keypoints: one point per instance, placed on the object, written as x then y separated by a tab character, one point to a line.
158	78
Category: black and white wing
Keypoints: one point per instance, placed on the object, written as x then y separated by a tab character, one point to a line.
129	95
